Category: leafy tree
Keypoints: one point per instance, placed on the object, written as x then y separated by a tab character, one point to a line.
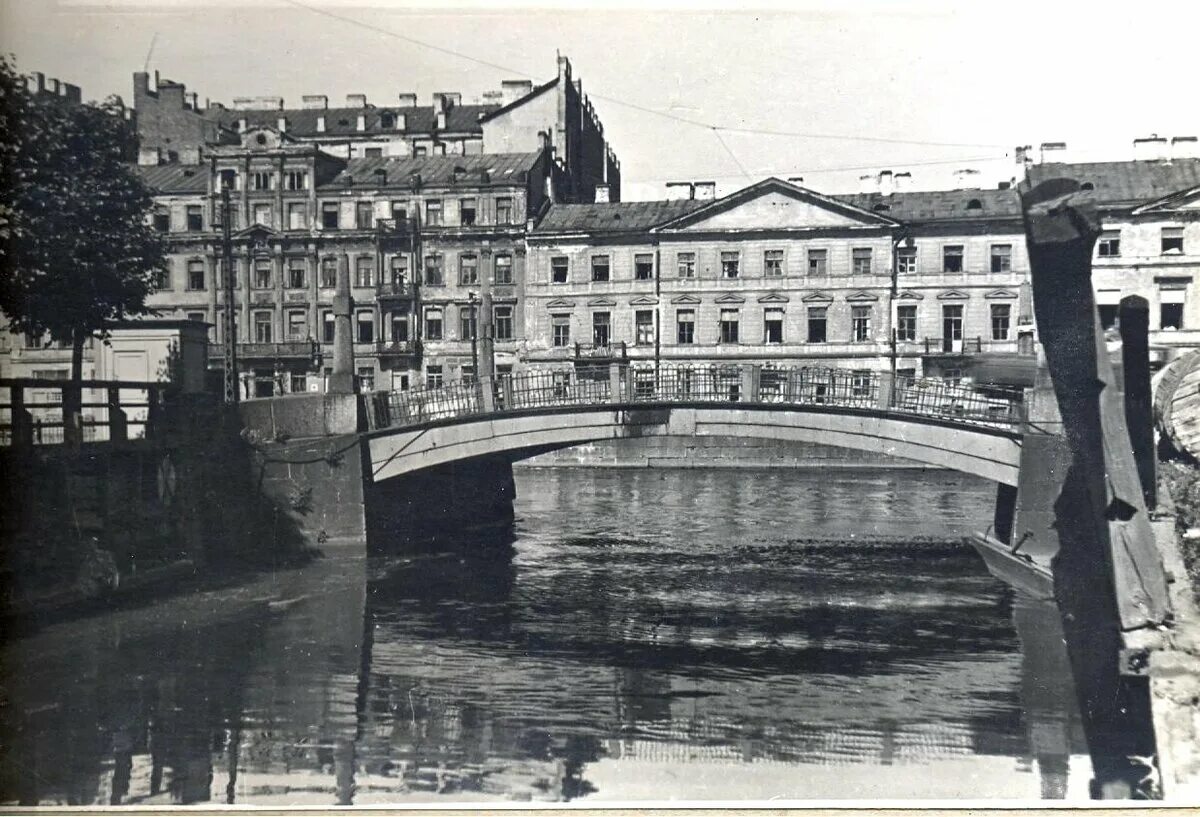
77	250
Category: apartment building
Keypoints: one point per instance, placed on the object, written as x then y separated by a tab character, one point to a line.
930	282
416	233
1150	244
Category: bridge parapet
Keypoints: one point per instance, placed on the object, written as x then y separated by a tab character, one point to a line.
718	384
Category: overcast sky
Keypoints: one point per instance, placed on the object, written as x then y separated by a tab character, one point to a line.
970	81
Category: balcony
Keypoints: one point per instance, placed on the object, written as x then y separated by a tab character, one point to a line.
397	291
393	227
606	351
398	348
949	346
293	350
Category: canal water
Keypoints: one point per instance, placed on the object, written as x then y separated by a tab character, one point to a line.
640	635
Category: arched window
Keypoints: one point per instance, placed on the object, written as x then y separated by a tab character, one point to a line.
974	204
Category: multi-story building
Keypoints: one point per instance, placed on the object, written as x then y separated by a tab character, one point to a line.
518	118
417	234
1150	244
930	282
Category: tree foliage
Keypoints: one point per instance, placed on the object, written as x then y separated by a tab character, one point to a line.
77	251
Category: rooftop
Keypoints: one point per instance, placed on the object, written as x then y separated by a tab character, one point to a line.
613	217
939	205
501	168
344	121
1123	183
174	178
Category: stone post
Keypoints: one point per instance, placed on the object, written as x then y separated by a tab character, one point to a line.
341	380
1134	319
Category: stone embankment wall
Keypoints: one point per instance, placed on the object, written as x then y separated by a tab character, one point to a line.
712	452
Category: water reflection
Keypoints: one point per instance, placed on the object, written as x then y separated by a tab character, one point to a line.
650	636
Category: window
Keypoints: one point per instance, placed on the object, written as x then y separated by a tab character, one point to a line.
502	322
262	181
433	323
400	212
466	209
906	260
860	323
504	210
1109	245
372	153
773	262
366	378
860	258
297	216
328	322
262	214
433	271
196	316
195	274
230	180
906	322
599	267
329	215
299	382
467	327
387	121
1002	258
860	383
262	274
601	328
729	326
643	325
262	327
729	264
1172	241
162	278
952	322
399	327
685	325
162	221
503	269
468	270
773	325
364	213
364	271
1170	316
296	180
399	271
818	262
433	377
366	326
560	330
952	258
297	275
1001	319
328	273
297	324
686	262
558	269
817	324
433	213
643	266
195	218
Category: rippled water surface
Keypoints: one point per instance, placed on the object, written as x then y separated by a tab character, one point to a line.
648	635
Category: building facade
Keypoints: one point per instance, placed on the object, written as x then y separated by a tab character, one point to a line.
928	283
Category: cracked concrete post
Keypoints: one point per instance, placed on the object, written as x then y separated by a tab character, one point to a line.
341	380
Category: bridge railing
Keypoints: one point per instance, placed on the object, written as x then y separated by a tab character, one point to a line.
718	383
39	411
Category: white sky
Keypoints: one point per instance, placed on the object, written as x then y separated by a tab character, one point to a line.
995	74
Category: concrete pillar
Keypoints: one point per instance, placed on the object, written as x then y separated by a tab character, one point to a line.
1134	320
341	380
615	393
883	395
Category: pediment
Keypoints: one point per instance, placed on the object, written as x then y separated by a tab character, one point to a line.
862	296
731	298
953	295
774	204
773	298
262	137
644	300
601	302
909	295
817	296
685	299
1001	293
560	303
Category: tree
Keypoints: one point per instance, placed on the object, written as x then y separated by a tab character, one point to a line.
77	250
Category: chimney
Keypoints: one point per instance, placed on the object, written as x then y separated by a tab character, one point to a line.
1185	147
966	178
796	180
52	86
445	100
1004	186
192	100
281	123
704	191
148	156
602	194
1150	148
887	183
513	89
141	85
680	191
171	94
564	69
1053	152
189	155
1022	154
37	84
868	183
408	100
314	102
356	100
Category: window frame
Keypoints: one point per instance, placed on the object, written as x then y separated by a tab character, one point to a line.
601	261
773	259
860	323
564	267
1000	312
859	254
906	323
731	264
949	252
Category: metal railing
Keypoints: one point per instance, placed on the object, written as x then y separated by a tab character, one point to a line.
936	346
66	412
718	383
270	351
